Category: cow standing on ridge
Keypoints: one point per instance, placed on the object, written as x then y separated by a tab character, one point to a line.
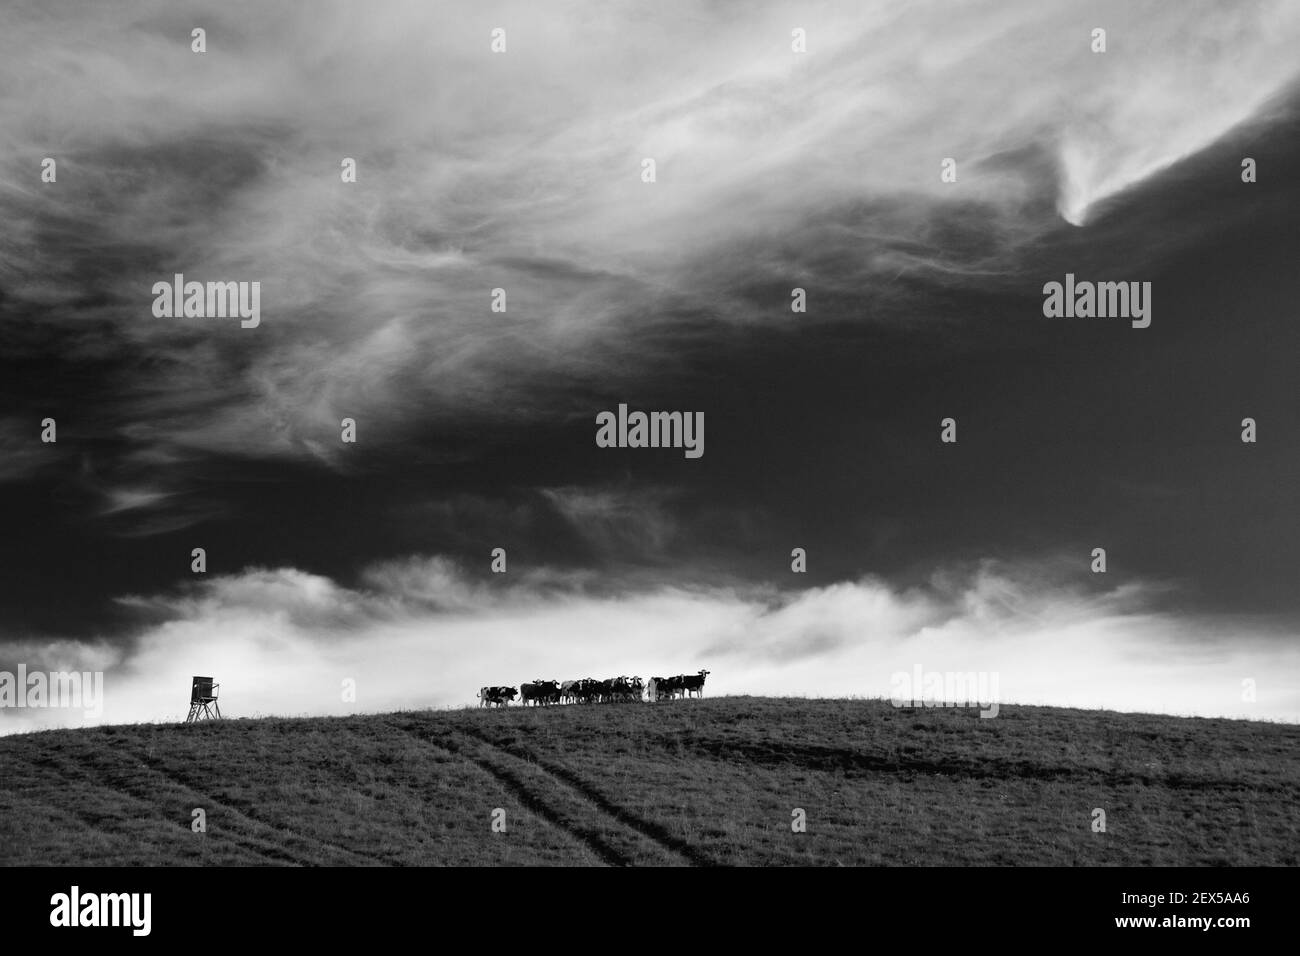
496	696
540	692
694	684
665	688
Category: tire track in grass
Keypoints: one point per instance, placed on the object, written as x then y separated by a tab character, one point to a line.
259	837
516	782
657	835
262	848
246	814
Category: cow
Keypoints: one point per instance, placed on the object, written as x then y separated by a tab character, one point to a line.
569	691
540	692
664	688
693	684
496	696
625	689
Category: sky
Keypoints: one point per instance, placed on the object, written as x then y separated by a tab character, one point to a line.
370	561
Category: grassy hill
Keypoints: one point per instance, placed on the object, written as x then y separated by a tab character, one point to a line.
679	783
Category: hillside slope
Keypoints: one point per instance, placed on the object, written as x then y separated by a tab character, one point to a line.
687	782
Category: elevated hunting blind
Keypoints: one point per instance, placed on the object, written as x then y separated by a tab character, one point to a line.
203	700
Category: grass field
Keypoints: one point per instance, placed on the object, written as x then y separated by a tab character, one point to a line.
687	782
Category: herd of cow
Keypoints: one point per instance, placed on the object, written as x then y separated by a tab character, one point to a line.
540	693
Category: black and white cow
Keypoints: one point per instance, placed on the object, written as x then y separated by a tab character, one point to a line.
496	696
693	684
540	693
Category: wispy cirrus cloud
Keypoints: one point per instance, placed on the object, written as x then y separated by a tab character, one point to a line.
520	171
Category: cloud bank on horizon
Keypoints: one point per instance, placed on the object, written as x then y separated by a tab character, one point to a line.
418	634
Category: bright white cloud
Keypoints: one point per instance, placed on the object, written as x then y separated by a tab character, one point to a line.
425	634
